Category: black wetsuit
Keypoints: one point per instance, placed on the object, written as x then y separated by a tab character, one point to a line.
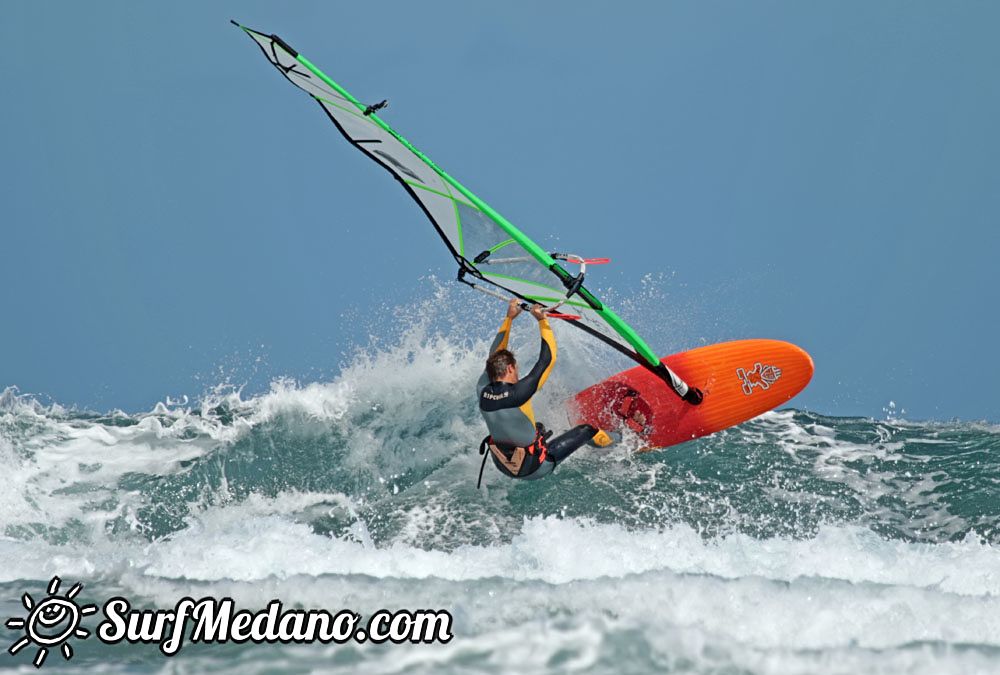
507	410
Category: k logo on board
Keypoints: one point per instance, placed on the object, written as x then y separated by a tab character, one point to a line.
761	376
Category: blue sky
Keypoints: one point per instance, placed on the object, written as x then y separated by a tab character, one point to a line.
827	173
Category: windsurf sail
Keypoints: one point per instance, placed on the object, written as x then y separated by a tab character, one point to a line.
487	248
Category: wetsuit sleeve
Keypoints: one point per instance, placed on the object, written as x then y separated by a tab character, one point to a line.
533	381
547	353
499	342
503	335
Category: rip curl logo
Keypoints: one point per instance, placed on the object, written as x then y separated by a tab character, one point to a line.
761	376
51	622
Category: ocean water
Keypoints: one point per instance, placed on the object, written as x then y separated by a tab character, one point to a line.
796	543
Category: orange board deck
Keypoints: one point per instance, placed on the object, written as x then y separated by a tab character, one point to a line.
740	380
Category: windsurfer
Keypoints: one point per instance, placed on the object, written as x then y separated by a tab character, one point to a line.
521	447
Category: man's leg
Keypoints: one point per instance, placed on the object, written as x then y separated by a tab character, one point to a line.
565	444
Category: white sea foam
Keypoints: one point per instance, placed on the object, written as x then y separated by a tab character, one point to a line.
836	603
392	410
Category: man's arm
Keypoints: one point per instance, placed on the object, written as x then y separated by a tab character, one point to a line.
527	386
502	337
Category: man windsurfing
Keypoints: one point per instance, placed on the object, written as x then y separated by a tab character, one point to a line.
520	447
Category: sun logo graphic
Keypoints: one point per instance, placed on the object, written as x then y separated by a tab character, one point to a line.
761	376
51	622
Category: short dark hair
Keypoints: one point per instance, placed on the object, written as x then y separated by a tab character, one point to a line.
498	363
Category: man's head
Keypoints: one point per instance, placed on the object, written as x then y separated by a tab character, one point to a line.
501	366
